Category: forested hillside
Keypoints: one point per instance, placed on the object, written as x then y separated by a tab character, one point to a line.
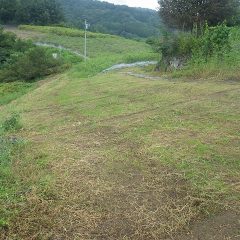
109	18
39	12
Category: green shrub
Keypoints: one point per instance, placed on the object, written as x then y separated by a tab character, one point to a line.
213	43
12	123
9	44
35	63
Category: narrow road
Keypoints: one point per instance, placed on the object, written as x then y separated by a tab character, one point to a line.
51	45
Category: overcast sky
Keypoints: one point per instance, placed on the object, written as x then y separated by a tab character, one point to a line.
153	4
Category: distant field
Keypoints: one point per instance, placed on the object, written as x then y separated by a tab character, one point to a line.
114	156
62	31
104	50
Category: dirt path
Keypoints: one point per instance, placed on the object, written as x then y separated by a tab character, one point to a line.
130	65
104	183
51	45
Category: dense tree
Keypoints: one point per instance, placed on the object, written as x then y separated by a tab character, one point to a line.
184	14
41	12
7	10
7	42
30	11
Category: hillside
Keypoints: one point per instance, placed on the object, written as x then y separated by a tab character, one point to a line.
129	154
109	18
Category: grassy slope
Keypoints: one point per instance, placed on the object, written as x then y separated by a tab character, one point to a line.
169	149
102	51
11	91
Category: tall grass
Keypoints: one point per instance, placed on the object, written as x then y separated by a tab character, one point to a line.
223	62
11	91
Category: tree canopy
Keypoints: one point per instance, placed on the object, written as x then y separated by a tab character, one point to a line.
30	11
184	14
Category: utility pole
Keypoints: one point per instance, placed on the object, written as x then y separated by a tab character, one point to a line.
85	46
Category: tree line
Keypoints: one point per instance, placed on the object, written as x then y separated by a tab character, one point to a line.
187	14
42	12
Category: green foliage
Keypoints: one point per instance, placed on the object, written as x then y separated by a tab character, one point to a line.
9	45
3	224
21	60
11	91
12	123
179	45
37	62
217	54
215	40
170	46
190	47
8	10
30	11
186	14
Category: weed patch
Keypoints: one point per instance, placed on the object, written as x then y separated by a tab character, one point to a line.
12	91
12	123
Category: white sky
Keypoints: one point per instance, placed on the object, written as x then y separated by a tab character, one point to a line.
153	4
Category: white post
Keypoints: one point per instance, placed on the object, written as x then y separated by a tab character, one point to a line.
85	48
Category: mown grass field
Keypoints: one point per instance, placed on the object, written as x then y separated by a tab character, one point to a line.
114	156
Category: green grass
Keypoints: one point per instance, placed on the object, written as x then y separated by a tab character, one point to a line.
135	127
12	91
169	148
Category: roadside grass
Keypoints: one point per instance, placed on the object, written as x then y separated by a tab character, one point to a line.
23	170
224	67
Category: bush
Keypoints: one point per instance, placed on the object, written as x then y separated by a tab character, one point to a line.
35	63
9	44
172	46
214	42
21	60
12	123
